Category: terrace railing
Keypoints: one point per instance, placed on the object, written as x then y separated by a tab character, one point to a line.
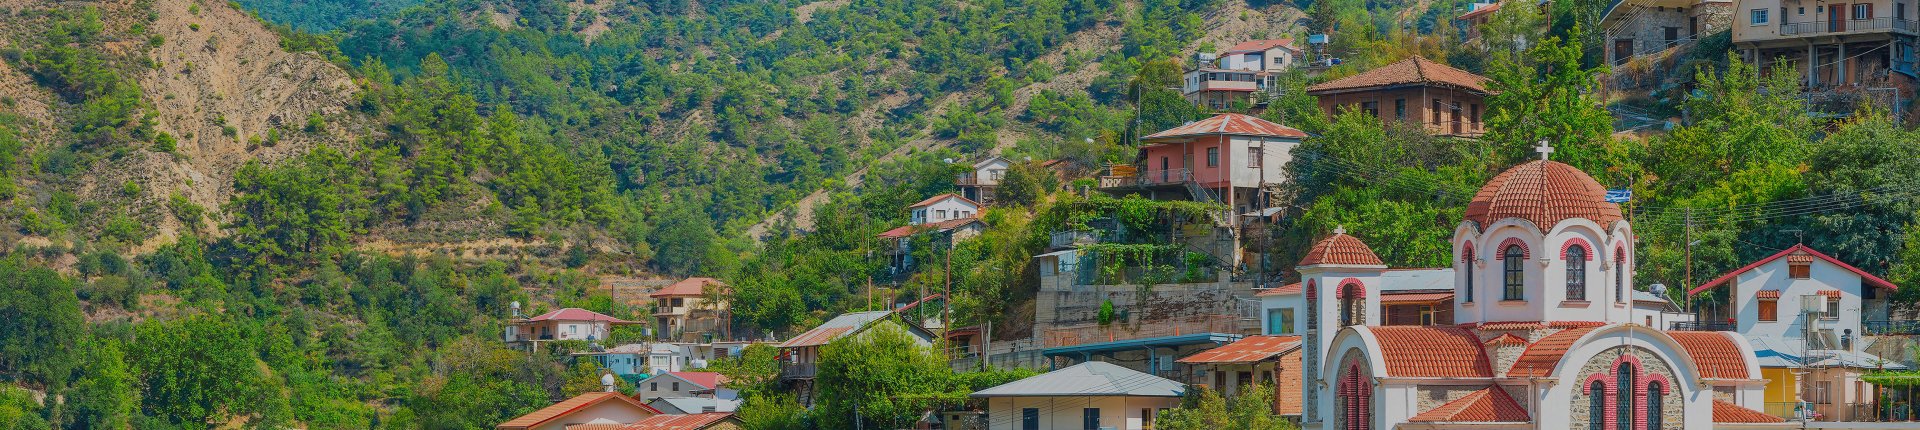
1702	326
1892	327
1868	25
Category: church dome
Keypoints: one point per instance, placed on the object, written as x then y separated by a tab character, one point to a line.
1341	249
1544	193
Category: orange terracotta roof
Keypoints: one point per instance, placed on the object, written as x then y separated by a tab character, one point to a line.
1507	339
1725	412
690	287
1716	355
1414	298
1544	193
570	406
1412	71
1797	251
1799	258
1481	11
1283	290
1530	325
1540	358
1227	124
1434	352
1490	404
1767	294
1247	350
938	198
1830	293
1262	45
1341	249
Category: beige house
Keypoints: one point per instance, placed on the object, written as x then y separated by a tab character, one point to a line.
589	408
1091	395
1848	46
1637	28
684	308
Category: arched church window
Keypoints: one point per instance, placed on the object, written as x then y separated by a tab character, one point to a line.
1576	273
1654	395
1623	395
1514	259
1469	295
1352	297
1358	397
1597	406
1619	276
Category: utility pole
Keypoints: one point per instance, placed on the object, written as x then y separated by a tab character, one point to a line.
1687	285
946	298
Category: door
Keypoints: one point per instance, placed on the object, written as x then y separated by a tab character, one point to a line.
1090	418
1163	169
1622	50
1836	18
1030	419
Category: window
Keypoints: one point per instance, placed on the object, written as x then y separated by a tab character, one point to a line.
1030	419
1435	111
1515	278
1623	393
1400	109
1823	392
1280	321
654	387
1900	11
1255	156
676	386
1469	294
1577	273
1758	17
1352	297
1619	276
1371	108
1213	156
1090	418
1862	11
1800	270
1801	10
1833	308
1769	309
1357	394
1474	115
1655	415
940	214
1146	418
1597	406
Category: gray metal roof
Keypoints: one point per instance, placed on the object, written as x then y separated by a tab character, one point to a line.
694	405
1093	378
1416	279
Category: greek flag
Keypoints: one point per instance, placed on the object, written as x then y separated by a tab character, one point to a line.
1619	196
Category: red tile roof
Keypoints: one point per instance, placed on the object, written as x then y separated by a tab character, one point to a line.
1481	11
699	421
1262	45
1283	290
1830	293
1507	339
1247	350
1767	294
1227	124
570	406
689	287
577	314
909	230
1431	352
1530	325
1797	250
1544	193
1412	71
1540	358
938	198
1715	354
704	379
1725	412
1341	249
1490	404
1414	298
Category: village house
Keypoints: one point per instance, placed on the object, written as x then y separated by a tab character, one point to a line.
692	421
1634	28
1543	335
1272	361
1443	100
665	357
800	356
1811	319
693	405
1242	76
1091	395
563	324
979	183
1228	158
623	360
1863	48
690	308
953	217
1478	14
686	384
590	408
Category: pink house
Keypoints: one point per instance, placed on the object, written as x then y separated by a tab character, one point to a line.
1226	158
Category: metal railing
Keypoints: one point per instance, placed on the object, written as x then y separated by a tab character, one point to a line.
798	370
1849	26
1702	326
1067	239
1147	178
1060	337
1892	327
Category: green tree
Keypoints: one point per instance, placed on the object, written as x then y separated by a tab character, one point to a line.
882	377
1549	96
1204	409
103	394
196	371
40	313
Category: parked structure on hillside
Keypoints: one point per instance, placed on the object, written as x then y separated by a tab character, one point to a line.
1635	28
1444	100
563	324
1847	52
691	309
1813	320
980	183
1091	395
801	354
1244	75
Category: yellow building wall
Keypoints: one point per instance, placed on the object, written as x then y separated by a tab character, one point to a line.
1782	384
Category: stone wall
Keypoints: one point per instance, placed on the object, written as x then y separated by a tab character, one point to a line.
1673	404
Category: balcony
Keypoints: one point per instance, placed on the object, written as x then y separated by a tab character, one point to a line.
1871	25
798	370
1702	326
1069	239
1891	327
1241	86
1147	178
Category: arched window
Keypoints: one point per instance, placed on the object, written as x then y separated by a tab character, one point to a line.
1515	281
1654	417
1469	295
1313	307
1352	297
1576	272
1619	277
1623	397
1358	414
1597	406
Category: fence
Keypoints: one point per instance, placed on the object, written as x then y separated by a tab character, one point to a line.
1060	337
1849	26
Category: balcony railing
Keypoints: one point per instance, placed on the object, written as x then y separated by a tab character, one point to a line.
798	370
1892	327
1147	178
1702	326
1850	26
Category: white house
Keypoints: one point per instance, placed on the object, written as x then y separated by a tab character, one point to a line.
1812	312
979	184
1090	395
941	208
1267	55
951	214
564	324
667	357
686	384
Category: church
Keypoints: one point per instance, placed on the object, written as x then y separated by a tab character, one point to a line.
1543	337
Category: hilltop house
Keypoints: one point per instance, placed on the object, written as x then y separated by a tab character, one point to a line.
684	309
1229	158
564	324
1542	336
590	408
1809	316
1243	75
1232	369
1839	48
801	354
980	183
686	384
1090	395
1444	100
1478	14
1639	27
952	216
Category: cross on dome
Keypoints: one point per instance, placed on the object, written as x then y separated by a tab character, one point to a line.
1544	149
1340	229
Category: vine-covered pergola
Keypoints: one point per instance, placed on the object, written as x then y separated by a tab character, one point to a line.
1894	395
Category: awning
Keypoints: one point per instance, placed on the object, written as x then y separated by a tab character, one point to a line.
1414	298
1248	350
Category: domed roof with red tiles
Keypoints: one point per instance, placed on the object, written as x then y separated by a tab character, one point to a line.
1341	249
1544	193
